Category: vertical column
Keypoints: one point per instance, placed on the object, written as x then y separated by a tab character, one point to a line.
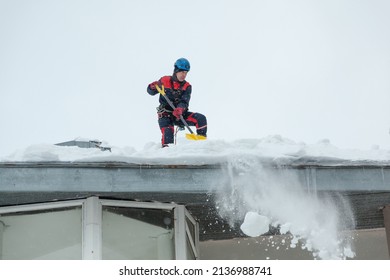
192	234
92	229
386	216
180	233
2	226
311	180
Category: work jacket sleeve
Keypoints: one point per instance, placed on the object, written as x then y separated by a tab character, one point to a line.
151	89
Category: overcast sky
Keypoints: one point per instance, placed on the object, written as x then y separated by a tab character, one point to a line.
306	70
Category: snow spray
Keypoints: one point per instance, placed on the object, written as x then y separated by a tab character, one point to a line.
261	197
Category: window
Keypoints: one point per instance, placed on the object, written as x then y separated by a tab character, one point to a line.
96	228
43	234
136	233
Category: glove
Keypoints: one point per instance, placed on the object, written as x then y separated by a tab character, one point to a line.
152	86
178	112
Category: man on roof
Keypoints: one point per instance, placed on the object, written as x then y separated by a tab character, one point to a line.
178	91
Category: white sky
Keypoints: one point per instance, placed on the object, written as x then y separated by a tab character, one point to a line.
306	70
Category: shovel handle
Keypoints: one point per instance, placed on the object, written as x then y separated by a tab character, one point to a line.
162	92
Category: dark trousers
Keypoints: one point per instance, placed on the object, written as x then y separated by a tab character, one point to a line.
167	122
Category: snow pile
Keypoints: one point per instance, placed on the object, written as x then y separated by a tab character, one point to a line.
272	147
261	198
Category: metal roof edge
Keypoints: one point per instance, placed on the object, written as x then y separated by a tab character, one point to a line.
276	163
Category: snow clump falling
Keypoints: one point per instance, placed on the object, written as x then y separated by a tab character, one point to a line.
260	198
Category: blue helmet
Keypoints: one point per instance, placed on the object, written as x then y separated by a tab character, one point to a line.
182	64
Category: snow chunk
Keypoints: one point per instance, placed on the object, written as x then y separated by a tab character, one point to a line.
255	225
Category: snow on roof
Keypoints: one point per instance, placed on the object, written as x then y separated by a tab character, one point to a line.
273	147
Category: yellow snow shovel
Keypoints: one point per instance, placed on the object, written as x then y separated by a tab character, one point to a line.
191	136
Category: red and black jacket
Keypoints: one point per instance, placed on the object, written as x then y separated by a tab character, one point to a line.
178	92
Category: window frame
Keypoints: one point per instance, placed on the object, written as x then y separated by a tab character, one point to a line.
92	208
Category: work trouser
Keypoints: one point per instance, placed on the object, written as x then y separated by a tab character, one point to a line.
167	122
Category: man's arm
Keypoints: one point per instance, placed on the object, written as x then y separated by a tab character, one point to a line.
151	89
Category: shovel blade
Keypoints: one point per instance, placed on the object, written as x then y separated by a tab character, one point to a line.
195	137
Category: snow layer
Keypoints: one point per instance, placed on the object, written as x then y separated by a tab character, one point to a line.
274	147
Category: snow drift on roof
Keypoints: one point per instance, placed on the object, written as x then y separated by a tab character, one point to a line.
275	147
